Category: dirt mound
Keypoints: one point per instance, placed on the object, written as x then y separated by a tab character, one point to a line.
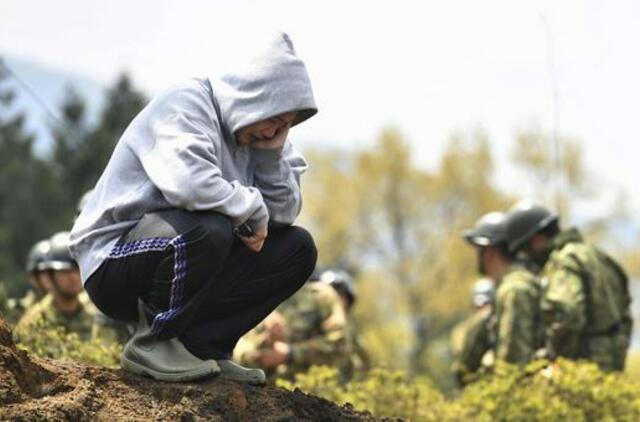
38	389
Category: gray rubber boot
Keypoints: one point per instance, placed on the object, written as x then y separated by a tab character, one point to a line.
164	360
233	371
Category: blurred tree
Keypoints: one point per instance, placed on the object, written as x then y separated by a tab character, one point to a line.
68	152
38	196
29	204
122	104
403	224
558	177
80	154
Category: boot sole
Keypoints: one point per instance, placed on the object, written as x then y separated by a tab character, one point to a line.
136	368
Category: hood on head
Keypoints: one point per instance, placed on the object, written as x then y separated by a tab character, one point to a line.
270	82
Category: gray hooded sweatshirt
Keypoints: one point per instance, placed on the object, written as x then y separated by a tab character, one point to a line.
180	152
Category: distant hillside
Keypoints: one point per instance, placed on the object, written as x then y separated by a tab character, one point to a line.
50	85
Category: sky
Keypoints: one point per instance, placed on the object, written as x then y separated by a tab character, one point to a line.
425	67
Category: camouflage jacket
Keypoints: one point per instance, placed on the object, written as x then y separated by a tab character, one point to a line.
317	332
470	340
317	325
586	303
516	324
14	308
80	323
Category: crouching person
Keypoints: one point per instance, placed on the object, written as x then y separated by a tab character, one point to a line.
189	229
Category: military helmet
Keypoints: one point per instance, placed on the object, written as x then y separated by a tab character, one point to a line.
484	292
490	230
341	281
59	257
524	220
37	256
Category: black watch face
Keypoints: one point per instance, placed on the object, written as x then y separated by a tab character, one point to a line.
244	230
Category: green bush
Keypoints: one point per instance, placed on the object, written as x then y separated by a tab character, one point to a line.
562	391
53	341
565	390
381	392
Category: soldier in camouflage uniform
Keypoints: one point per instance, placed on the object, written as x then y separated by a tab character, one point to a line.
309	328
38	280
586	301
515	326
64	305
358	361
470	339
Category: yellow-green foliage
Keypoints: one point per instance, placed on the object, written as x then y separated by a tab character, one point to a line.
563	391
47	340
381	392
632	369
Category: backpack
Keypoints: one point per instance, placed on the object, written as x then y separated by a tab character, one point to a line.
607	299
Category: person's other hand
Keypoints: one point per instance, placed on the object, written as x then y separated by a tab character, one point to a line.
255	242
276	327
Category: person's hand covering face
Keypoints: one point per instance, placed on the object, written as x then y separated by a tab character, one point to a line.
266	134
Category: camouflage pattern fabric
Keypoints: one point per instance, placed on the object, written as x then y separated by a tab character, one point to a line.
247	350
586	303
516	330
317	325
470	340
80	323
359	360
316	329
15	308
111	331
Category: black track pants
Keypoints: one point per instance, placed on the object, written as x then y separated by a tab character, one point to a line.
197	280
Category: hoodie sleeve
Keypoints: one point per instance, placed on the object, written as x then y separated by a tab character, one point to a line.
183	164
277	176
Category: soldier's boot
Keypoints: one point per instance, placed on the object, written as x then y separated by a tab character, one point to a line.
233	371
164	360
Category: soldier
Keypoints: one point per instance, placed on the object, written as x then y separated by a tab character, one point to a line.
37	278
515	325
359	360
470	339
310	328
63	306
585	304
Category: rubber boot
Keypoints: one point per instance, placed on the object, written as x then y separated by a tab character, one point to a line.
233	371
164	360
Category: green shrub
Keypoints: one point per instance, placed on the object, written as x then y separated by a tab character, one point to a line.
381	392
53	341
563	391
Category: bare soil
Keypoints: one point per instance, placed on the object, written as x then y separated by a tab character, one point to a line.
42	389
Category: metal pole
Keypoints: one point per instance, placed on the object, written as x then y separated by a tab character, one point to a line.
555	119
